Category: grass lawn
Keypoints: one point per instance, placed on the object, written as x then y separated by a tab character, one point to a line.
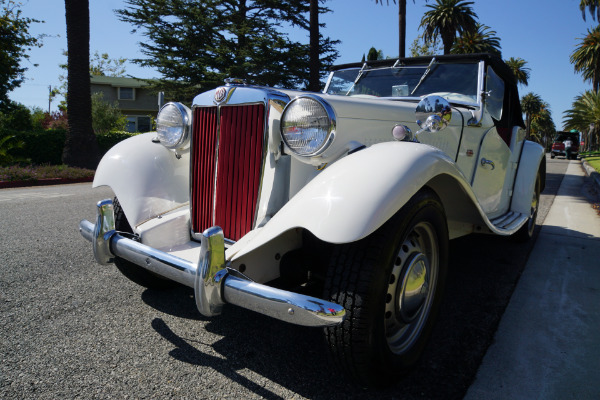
594	162
593	159
34	173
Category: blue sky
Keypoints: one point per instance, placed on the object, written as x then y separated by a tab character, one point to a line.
544	33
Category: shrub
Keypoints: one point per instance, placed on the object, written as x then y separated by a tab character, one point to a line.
42	147
15	117
16	173
46	146
8	145
109	139
106	116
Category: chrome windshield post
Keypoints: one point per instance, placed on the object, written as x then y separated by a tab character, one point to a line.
477	114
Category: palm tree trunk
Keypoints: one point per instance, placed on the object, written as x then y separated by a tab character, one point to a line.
314	83
81	147
448	41
402	28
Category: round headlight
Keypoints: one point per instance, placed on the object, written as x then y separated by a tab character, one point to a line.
173	125
308	125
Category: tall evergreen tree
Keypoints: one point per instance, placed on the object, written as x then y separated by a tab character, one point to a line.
81	147
199	43
374	54
15	41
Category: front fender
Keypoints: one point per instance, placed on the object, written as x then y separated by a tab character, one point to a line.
530	163
353	197
147	178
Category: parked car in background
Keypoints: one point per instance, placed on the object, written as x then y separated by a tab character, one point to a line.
558	145
329	209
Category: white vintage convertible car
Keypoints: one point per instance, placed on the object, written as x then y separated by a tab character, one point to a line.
329	209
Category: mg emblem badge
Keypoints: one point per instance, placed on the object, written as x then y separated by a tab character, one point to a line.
220	94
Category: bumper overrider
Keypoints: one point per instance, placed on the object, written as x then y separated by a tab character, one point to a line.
213	282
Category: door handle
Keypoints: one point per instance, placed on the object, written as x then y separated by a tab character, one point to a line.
485	162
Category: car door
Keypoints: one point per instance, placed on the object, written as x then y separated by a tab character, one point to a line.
494	174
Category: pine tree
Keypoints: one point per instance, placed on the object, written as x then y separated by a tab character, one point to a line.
195	45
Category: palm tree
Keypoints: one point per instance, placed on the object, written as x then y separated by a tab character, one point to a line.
81	147
519	70
446	18
483	40
586	57
401	25
542	125
593	6
584	116
531	104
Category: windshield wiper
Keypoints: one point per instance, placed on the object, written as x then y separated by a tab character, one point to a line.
360	75
423	76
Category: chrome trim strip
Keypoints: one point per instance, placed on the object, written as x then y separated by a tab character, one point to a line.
217	150
286	306
214	284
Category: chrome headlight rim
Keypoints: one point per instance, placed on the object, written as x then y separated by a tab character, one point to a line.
184	136
330	135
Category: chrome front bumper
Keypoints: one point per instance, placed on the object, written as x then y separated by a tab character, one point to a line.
213	282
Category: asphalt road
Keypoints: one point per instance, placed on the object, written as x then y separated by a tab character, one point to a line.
70	328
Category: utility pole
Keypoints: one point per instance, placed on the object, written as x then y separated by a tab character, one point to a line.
49	97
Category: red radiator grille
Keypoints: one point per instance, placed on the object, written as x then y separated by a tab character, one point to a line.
229	200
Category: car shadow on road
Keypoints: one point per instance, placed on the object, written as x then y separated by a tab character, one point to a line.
187	353
483	271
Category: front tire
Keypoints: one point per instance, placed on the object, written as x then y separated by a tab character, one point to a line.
390	284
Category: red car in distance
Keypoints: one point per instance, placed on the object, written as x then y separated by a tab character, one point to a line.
558	146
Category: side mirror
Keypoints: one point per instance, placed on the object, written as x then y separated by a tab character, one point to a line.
433	114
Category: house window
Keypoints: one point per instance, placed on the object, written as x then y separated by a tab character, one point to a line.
138	124
143	124
126	93
131	124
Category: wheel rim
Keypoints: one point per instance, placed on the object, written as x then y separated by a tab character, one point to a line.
411	288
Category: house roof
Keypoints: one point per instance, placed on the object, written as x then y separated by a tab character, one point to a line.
117	81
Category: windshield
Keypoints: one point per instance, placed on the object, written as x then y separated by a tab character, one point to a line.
456	82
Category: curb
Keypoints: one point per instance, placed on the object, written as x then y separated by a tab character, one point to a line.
592	173
42	182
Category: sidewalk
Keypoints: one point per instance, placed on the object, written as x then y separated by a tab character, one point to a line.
548	342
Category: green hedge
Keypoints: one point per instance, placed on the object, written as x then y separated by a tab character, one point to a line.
109	139
46	147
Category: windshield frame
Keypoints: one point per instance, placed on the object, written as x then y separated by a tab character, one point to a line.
472	104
